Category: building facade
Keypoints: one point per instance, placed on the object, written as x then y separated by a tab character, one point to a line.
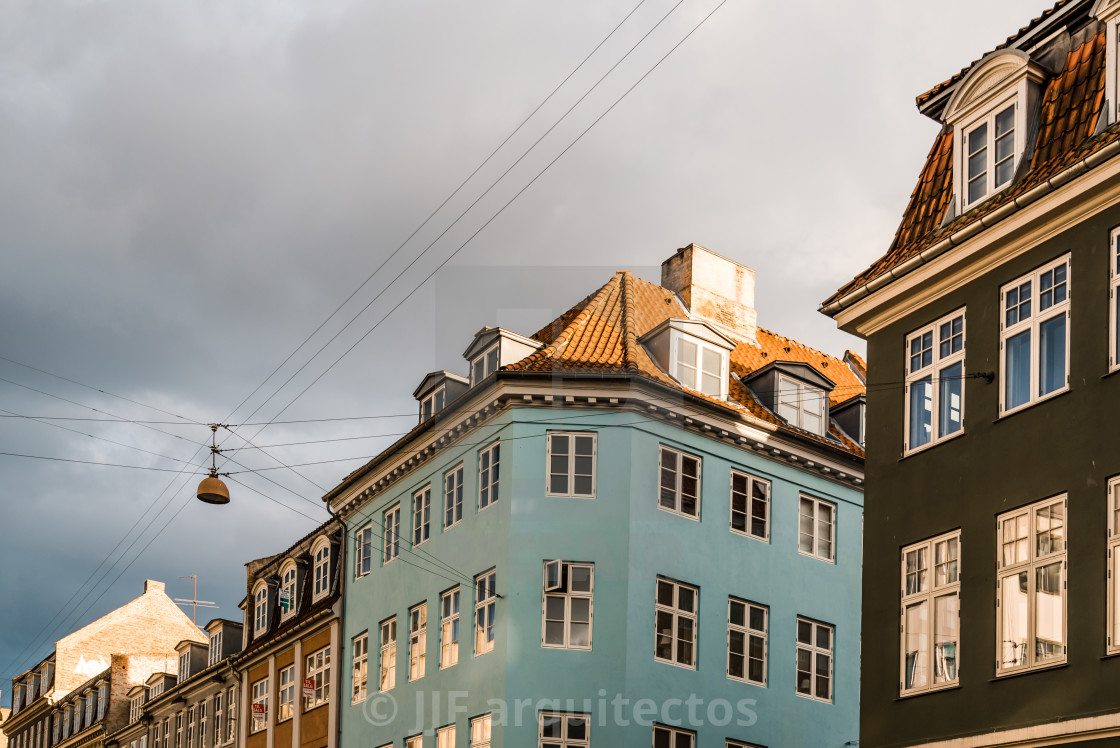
992	511
288	670
640	525
79	692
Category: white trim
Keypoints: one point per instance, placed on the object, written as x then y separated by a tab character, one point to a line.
562	591
289	566
321	543
814	649
359	668
1113	299
260	609
417	641
570	466
815	552
678	482
493	452
363	550
421	515
938	363
391	534
450	618
752	481
674	610
387	655
482	358
747	632
1112	571
927	591
1037	736
702	346
806	393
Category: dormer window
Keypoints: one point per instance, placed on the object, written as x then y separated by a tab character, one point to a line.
260	609
288	590
802	405
321	553
136	707
796	392
433	403
157	689
495	347
693	353
184	664
215	647
484	365
991	148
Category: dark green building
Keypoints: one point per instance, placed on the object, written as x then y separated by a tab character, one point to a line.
991	590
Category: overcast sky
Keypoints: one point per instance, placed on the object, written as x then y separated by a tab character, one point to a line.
188	189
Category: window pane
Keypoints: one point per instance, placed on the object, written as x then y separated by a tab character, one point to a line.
1013	616
805	527
921	412
686	363
1116	342
949	399
1017	370
1049	629
946	620
916	672
1052	354
804	674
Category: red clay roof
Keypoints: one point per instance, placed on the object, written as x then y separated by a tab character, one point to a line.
600	335
1070	107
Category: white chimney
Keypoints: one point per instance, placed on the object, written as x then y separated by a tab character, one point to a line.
714	289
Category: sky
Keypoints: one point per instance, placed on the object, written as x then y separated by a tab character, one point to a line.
188	191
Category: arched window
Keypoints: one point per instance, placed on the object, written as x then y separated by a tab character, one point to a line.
260	609
321	553
288	602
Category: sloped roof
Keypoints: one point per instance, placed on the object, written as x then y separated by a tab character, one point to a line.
1071	105
600	335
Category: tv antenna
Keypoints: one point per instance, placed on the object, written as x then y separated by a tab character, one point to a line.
194	602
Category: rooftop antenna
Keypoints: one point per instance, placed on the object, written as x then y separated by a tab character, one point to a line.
212	490
194	602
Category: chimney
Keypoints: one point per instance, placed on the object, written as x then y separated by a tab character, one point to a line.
151	585
714	289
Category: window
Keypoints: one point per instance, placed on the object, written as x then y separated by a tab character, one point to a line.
322	569
57	730
1034	336
1113	642
416	741
179	730
480	732
930	603
190	728
432	404
260	608
360	655
563	730
1114	301
571	464
814	659
449	628
990	151
673	737
746	641
445	737
675	631
287	592
202	723
486	598
388	677
260	705
184	665
102	700
421	515
700	366
484	365
286	701
802	405
89	707
750	505
318	670
219	717
392	537
816	528
935	382
363	547
65	721
488	475
1031	602
135	709
417	640
215	650
680	482
231	721
165	742
568	602
453	497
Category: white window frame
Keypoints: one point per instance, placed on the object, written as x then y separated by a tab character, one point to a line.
286	693
817	539
558	587
815	650
806	393
750	502
942	356
489	474
480	731
681	368
102	700
321	581
387	661
135	709
485	612
317	668
449	627
570	474
421	515
675	734
1113	291
231	717
203	723
215	652
488	366
219	722
445	736
260	609
363	551
453	496
988	118
417	641
673	609
1032	325
930	573
433	402
391	534
289	582
563	740
748	631
1032	562
1112	642
359	667
259	696
184	665
677	489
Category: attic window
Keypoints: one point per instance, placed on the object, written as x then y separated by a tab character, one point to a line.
801	404
699	366
484	365
991	148
433	403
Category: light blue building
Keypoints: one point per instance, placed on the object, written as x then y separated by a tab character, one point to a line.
640	526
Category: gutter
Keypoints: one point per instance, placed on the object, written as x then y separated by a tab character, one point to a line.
970	230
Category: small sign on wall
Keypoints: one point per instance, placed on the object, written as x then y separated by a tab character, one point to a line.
309	688
260	712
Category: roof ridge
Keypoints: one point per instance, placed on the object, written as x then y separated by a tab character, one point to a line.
629	336
565	335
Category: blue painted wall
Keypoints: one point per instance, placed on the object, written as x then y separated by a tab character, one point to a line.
631	542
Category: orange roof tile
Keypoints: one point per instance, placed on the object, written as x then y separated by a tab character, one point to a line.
600	334
1071	104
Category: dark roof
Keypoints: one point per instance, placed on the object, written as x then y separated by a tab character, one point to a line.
1071	105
